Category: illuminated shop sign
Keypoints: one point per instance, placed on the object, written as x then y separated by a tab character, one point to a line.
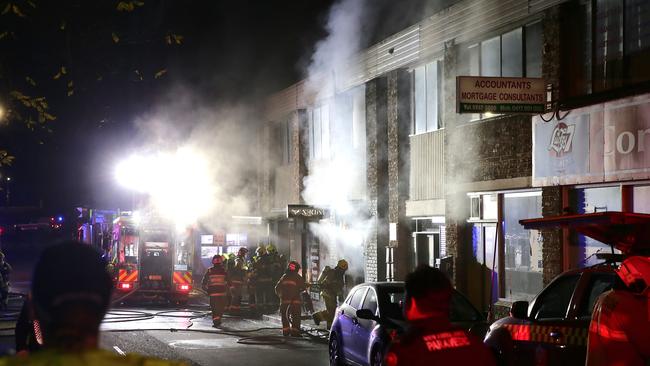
475	94
600	143
305	212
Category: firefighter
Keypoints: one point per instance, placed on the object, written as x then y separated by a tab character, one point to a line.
263	281
237	276
431	338
216	283
288	289
331	282
5	270
619	330
69	313
277	266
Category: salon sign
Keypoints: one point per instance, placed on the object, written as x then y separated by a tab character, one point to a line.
601	143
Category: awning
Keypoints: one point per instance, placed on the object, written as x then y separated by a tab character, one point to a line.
627	231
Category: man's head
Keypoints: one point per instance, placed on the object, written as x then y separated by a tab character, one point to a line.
217	260
71	292
428	293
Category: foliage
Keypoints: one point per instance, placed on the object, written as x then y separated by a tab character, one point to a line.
57	55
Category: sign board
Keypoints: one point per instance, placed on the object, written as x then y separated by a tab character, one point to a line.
605	142
207	239
478	94
305	212
210	251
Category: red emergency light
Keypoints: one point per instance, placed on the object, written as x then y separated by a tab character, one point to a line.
125	286
184	287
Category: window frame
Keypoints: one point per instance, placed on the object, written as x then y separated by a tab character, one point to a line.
439	91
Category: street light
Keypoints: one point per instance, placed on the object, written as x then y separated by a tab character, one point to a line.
7	195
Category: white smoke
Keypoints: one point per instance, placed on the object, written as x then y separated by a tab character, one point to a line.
337	181
197	161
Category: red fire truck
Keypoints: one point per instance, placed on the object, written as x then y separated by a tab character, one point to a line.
151	260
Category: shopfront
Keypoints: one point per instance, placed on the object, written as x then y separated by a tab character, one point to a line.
601	154
507	261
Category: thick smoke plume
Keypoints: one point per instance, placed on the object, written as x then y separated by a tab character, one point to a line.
219	138
337	180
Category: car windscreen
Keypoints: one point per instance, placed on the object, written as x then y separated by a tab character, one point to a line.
461	310
391	300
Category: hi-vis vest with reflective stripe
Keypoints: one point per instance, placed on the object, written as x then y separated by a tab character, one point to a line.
575	336
216	280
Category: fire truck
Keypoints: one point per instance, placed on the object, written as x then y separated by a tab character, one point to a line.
150	259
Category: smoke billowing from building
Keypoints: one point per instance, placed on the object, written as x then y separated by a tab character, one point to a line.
336	177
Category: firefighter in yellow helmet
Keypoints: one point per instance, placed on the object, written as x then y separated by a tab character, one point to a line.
70	312
289	289
215	283
331	282
263	281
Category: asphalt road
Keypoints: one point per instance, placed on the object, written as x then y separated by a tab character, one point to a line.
188	335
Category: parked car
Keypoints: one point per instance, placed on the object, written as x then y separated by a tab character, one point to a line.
371	317
553	328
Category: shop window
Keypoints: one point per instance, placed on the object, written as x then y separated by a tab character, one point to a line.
589	200
523	248
641	199
427	97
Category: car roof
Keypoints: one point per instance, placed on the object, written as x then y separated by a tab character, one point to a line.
627	231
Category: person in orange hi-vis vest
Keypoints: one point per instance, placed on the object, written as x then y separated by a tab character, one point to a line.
216	283
288	289
619	333
431	338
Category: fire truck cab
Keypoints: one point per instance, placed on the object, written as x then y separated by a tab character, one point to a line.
151	260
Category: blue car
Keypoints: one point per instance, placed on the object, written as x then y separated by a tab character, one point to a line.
371	317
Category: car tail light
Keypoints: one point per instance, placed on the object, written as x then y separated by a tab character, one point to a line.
184	288
125	286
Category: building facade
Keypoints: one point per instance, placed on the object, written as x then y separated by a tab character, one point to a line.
404	179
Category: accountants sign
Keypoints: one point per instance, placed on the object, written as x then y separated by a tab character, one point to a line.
477	94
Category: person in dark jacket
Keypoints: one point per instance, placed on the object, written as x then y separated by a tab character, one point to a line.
216	283
431	338
5	270
288	289
237	277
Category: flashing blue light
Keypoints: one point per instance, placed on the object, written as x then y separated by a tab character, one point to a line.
59	219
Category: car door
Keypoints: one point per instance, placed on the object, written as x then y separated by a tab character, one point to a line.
348	319
363	328
592	285
551	329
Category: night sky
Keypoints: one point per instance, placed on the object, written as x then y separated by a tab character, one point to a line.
230	52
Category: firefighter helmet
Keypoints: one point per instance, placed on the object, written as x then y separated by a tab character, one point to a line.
271	249
342	264
260	251
217	259
242	252
293	266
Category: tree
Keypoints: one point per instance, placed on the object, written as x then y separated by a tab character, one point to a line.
71	53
